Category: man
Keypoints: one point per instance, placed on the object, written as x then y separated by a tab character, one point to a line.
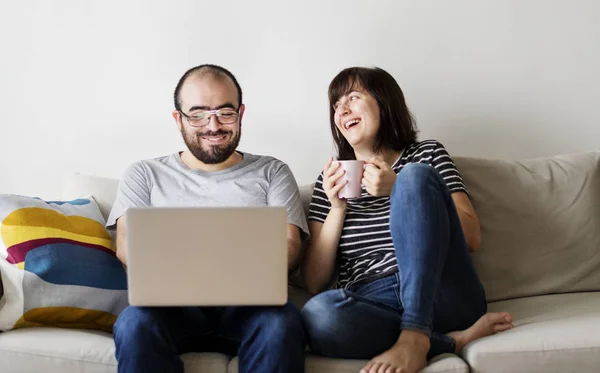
208	112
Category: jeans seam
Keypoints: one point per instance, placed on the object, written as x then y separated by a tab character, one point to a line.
397	290
232	339
413	326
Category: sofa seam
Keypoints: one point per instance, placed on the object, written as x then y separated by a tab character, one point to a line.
230	359
54	357
450	370
530	351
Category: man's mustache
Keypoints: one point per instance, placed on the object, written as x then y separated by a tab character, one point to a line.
215	133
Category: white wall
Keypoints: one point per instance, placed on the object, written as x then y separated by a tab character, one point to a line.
87	85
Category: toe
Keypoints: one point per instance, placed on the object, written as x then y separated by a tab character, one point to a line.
367	368
502	327
497	318
375	368
390	369
382	368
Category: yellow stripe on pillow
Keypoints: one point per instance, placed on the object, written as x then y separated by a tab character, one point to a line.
41	217
67	317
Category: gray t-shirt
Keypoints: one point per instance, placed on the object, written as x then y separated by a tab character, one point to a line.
168	182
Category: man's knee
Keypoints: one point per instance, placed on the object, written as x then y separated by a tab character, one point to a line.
134	323
278	325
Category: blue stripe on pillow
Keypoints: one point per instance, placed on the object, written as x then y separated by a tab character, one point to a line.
71	264
77	202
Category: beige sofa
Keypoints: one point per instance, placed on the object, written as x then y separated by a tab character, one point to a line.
540	260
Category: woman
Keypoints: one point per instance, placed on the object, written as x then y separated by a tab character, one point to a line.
406	287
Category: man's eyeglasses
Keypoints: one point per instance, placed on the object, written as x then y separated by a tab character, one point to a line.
202	118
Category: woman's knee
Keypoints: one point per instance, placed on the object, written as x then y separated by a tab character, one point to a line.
416	180
415	175
324	322
320	307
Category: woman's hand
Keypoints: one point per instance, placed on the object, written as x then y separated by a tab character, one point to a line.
331	173
378	178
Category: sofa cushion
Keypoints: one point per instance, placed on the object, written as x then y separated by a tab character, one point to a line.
68	351
306	191
446	363
552	333
539	221
58	265
53	350
56	350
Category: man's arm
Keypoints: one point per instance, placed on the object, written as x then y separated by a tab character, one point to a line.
283	191
294	247
121	241
133	191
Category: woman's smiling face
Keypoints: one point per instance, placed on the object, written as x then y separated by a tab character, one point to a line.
357	118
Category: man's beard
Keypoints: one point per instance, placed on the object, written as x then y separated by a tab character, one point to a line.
217	153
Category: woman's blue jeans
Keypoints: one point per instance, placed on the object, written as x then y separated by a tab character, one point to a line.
435	291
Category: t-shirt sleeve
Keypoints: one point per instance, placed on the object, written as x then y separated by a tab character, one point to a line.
444	164
319	203
133	191
283	191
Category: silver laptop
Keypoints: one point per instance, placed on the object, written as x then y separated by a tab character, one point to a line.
194	256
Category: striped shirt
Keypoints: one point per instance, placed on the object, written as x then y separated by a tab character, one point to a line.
365	250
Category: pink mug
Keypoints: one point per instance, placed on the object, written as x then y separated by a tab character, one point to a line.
354	175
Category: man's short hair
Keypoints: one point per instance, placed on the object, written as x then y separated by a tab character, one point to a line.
214	70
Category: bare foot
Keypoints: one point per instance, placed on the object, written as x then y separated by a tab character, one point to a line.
408	355
488	324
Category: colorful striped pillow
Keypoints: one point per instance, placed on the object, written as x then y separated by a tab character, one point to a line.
58	265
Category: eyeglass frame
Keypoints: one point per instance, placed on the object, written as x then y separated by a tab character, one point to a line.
212	113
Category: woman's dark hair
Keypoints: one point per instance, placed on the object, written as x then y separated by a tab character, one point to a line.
397	127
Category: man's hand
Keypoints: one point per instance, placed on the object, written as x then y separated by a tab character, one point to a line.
121	241
378	178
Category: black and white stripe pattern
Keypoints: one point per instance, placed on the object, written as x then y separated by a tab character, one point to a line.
365	249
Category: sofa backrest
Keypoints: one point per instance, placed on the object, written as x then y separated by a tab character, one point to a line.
103	190
540	221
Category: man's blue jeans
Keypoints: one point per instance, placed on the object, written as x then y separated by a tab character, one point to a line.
435	291
266	339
